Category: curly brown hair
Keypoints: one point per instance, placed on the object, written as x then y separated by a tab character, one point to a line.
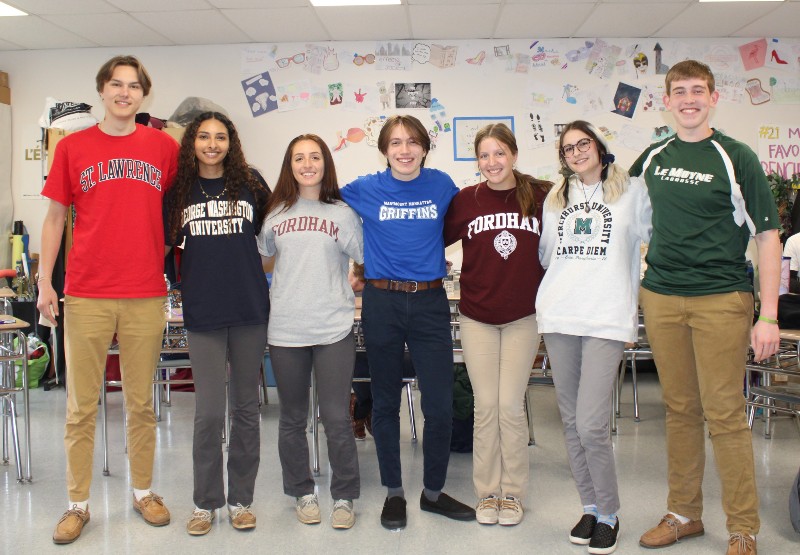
237	174
286	192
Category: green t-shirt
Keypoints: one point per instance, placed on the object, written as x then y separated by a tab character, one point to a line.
709	198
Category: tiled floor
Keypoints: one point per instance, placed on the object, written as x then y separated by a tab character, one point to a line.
28	513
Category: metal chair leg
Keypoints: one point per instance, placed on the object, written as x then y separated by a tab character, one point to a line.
314	425
104	421
410	398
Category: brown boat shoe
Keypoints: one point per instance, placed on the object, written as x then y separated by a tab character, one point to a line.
152	509
70	526
669	531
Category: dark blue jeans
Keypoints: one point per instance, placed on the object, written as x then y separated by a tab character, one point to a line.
393	320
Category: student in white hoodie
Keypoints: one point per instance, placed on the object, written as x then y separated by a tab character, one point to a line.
593	224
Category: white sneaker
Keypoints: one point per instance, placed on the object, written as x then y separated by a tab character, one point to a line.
487	510
343	516
510	511
307	509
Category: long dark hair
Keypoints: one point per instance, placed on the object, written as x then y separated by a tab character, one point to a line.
236	172
526	185
286	190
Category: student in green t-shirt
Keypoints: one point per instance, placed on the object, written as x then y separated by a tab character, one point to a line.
709	196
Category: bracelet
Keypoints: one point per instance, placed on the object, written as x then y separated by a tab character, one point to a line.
767	320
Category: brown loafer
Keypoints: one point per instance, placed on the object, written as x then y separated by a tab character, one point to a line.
669	531
70	526
741	544
152	509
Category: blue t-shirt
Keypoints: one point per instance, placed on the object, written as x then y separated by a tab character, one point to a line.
403	222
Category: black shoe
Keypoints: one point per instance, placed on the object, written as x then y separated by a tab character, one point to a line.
447	506
393	515
604	539
581	534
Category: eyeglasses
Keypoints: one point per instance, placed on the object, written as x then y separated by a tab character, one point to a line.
297	58
583	145
359	60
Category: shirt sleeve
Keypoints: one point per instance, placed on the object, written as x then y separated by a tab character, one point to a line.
759	202
791	250
350	194
58	186
644	210
454	224
547	241
266	238
354	247
636	169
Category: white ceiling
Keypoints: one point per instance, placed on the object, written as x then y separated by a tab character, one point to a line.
122	23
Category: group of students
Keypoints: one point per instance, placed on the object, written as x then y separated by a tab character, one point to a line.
560	261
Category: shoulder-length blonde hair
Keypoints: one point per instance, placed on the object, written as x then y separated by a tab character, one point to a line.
614	177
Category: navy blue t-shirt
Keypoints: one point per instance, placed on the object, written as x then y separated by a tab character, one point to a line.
223	282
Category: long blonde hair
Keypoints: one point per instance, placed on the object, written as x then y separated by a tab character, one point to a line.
614	177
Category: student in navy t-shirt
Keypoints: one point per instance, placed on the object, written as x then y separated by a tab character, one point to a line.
404	304
216	208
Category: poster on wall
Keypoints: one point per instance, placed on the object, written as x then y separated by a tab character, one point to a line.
779	149
412	95
465	129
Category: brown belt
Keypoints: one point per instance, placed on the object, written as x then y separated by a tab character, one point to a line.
405	286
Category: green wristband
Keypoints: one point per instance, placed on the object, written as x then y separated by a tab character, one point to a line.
767	320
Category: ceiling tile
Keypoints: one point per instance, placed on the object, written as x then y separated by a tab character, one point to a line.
783	22
160	5
194	27
111	29
33	32
279	24
628	20
260	4
47	7
714	19
475	22
366	22
541	20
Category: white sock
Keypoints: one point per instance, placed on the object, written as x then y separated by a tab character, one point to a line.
590	510
232	508
139	493
682	519
82	505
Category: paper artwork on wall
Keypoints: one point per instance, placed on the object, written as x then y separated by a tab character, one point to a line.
722	57
595	100
779	149
580	53
259	91
466	128
294	96
779	56
652	98
439	116
435	54
394	55
352	135
315	58
602	59
412	95
568	93
385	95
542	97
538	130
477	59
757	93
785	90
753	54
662	132
283	62
372	128
658	63
634	137
361	97
625	100
543	56
335	94
257	58
730	86
364	59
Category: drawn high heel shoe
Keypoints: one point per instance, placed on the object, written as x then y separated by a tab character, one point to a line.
776	58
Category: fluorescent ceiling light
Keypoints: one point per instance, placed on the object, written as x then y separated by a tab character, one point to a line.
6	10
320	3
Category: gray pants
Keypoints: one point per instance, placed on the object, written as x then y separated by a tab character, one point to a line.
584	371
333	366
243	347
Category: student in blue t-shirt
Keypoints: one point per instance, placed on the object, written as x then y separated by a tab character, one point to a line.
404	304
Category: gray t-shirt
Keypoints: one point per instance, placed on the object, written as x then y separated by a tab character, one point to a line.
311	300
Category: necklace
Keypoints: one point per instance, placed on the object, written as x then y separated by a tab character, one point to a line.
588	200
215	197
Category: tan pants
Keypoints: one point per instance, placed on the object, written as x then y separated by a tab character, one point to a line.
89	326
699	345
499	361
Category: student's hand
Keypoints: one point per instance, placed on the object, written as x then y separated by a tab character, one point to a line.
356	277
48	301
765	339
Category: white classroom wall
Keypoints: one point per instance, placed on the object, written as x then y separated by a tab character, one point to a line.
496	87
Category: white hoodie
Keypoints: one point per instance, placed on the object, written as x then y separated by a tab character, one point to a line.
591	286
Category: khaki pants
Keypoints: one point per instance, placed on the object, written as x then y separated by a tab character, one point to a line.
499	361
89	326
699	345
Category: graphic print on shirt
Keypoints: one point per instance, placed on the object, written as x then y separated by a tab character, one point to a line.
121	168
216	217
411	210
584	235
504	242
682	176
307	224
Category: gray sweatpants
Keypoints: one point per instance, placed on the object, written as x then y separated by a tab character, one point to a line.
584	371
243	347
333	365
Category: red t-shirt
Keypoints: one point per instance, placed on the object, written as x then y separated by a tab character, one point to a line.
117	185
500	273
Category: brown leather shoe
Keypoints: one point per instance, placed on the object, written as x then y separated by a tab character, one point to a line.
152	509
669	531
741	544
242	518
70	526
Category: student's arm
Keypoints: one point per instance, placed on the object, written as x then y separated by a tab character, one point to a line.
765	336
52	231
268	263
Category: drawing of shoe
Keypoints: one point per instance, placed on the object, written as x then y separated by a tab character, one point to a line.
477	60
776	58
